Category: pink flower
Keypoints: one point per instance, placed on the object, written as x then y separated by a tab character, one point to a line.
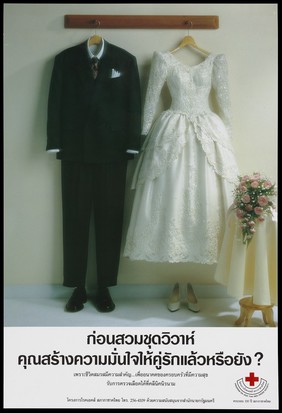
248	207
239	213
243	187
260	219
262	200
256	175
246	198
251	223
267	184
255	184
258	210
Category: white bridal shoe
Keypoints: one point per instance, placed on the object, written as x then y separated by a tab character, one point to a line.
193	304
174	299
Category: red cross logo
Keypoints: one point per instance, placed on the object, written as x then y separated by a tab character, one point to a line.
252	379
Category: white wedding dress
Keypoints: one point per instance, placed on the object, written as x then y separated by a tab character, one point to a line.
186	169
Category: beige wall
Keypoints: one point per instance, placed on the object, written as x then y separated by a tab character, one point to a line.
33	34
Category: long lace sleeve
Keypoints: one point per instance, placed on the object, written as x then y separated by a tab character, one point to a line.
156	81
220	85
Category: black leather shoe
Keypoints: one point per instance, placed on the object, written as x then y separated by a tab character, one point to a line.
76	301
104	302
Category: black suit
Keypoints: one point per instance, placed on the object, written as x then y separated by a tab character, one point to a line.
93	123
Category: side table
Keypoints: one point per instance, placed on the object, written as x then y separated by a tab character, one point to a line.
247	308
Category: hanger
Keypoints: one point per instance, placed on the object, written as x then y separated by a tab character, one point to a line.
95	39
189	41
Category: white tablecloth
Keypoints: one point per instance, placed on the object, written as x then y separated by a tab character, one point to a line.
249	270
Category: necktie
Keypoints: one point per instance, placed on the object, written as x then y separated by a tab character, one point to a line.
94	67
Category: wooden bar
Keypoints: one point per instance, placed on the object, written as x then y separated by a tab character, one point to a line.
86	21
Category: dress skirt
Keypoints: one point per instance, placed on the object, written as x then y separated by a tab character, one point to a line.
180	206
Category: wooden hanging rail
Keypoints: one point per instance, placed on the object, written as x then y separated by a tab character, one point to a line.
86	21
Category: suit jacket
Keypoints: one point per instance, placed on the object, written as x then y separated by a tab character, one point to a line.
94	120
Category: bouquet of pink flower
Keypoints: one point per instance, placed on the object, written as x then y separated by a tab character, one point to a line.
252	202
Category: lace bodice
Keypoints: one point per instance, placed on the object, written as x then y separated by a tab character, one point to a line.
189	86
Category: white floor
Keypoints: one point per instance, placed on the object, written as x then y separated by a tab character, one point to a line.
135	306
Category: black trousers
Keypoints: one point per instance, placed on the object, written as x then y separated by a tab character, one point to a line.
86	188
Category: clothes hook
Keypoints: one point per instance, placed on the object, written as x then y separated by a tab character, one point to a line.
96	23
189	23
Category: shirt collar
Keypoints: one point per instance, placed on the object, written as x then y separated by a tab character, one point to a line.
100	53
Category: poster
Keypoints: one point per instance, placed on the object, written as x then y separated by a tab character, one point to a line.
165	368
138	367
